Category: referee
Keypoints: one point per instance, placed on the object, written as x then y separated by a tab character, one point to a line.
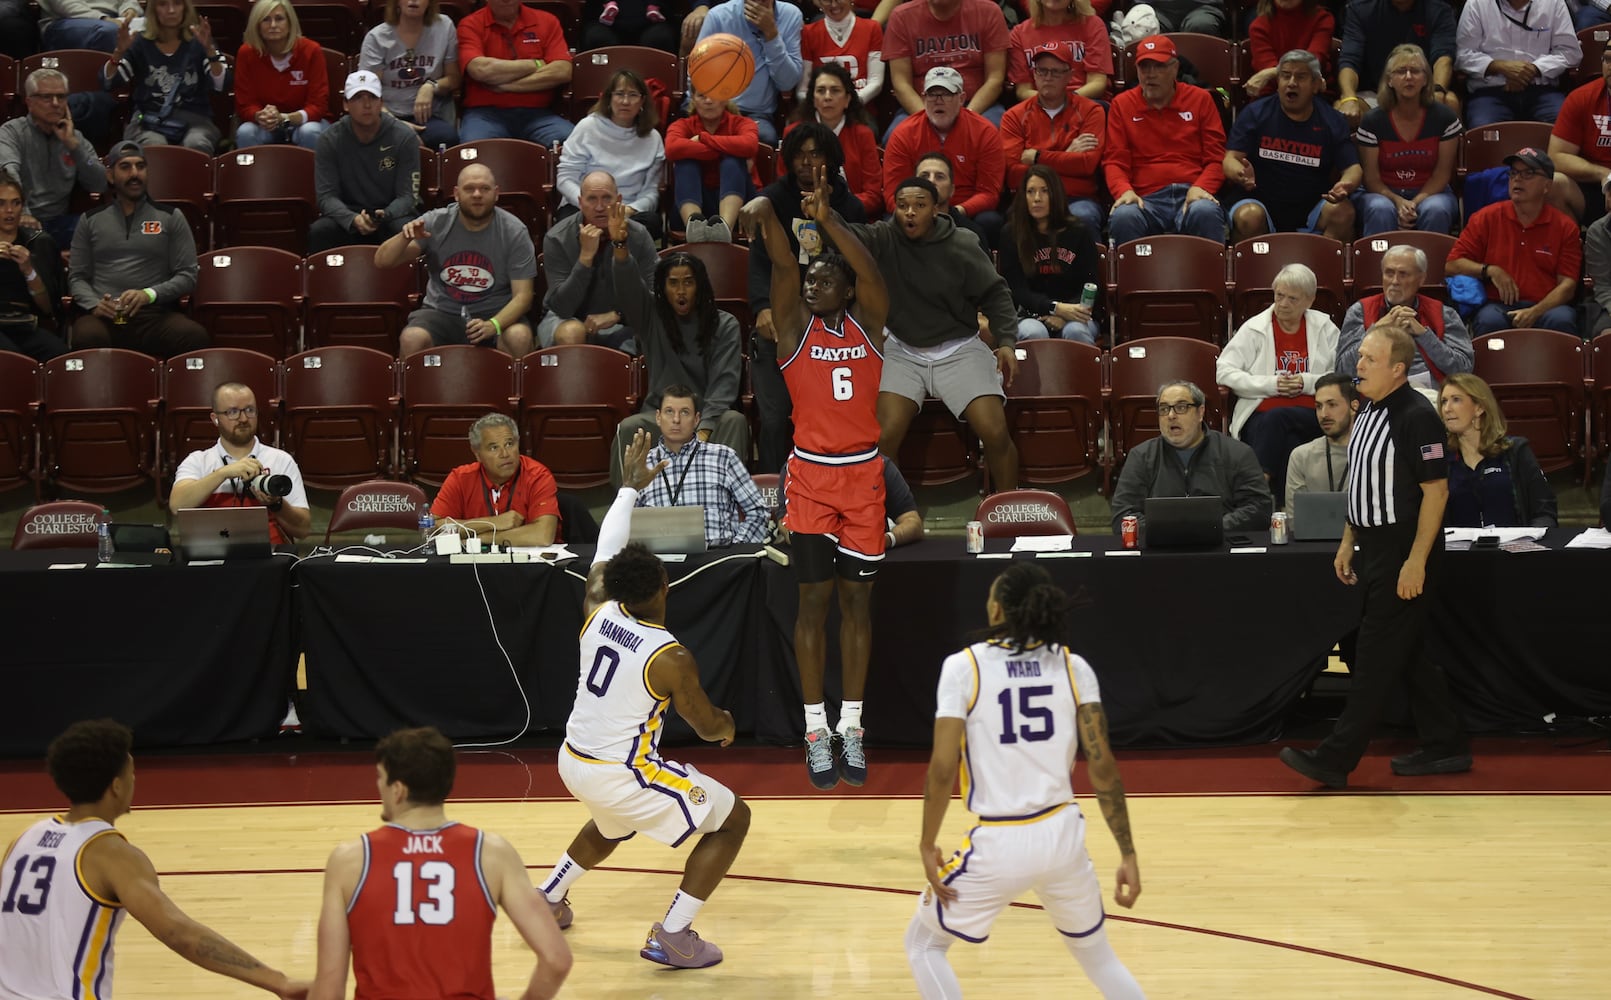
1397	488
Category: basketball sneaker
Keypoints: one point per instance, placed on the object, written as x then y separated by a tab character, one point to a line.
563	915
852	757
684	949
819	759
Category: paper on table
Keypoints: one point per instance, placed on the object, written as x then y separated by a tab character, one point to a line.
546	553
1042	543
1591	538
1504	534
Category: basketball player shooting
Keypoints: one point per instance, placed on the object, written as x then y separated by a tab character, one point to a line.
830	336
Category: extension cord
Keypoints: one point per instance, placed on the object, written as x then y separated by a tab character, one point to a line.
489	557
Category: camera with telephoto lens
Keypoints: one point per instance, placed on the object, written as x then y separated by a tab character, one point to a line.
270	485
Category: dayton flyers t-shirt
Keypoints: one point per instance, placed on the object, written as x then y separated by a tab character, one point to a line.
474	269
1294	163
1407	162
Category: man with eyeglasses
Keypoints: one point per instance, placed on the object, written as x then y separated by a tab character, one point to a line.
226	475
968	138
50	156
1061	129
1372	29
1527	253
1187	459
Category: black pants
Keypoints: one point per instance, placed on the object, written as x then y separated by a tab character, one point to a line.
1390	653
155	331
327	234
775	438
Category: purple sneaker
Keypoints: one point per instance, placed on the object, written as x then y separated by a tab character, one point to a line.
684	949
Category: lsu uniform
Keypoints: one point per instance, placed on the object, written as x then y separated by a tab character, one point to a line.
611	760
55	934
421	917
1018	750
834	482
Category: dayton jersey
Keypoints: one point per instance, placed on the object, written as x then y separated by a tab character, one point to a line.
421	916
618	716
55	935
833	379
1019	739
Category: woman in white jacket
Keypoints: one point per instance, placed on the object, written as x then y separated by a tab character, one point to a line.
619	138
1271	364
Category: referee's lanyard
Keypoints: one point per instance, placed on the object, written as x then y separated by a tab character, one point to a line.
677	491
492	494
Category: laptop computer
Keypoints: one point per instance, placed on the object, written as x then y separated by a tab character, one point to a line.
1318	517
224	533
669	529
1183	523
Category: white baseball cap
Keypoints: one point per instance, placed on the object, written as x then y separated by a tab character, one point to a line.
361	82
943	77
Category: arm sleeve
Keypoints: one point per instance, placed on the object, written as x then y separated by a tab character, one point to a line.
248	98
81	266
1234	369
757	518
1213	139
1451	354
1070	164
1597	262
1348	340
722	374
633	297
955	690
743	141
369	55
680	144
649	198
182	264
1116	163
995	301
327	182
1258	33
406	179
572	158
1024	297
782	54
1469	57
1542	509
616	527
992	171
1565	52
1133	484
1442	43
318	107
1297	480
568	277
898	498
1250	493
544	497
1352	54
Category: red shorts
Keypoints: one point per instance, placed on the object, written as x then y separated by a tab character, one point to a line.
844	502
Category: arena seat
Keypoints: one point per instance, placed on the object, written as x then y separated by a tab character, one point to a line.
571	399
445	390
938	448
729	267
183	177
1599	403
340	414
334	24
337	64
1054	410
1014	513
1369	251
351	301
1170	285
591	71
60	524
767	483
525	175
1487	145
264	196
1136	370
99	427
1538	378
20	400
188	382
376	503
1255	263
250	297
10	89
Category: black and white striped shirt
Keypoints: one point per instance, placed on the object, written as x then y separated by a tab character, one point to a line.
1397	444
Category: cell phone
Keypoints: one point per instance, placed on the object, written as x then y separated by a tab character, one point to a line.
1486	542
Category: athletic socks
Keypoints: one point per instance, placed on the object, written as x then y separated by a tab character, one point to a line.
684	908
566	871
816	717
1103	967
849	716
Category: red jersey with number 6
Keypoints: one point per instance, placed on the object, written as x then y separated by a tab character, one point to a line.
833	380
421	916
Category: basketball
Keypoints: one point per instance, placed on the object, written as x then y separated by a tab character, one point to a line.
721	67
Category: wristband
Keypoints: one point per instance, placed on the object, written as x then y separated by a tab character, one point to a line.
31	276
1344	100
497	327
149	294
889	539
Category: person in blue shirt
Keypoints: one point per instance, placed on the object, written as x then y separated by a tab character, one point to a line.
1295	158
773	32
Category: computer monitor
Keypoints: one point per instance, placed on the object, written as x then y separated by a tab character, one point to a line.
669	529
1183	522
224	533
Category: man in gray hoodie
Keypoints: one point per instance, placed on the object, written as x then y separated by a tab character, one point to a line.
366	172
940	279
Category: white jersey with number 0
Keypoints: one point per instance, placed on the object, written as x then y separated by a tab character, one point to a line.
618	716
1020	736
55	935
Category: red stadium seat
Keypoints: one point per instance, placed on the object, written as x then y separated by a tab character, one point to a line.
227	18
351	301
1599	401
1368	254
251	298
60	524
1214	59
1487	146
263	196
340	414
1054	410
183	177
729	268
100	420
10	89
378	503
1592	41
568	12
767	483
1255	263
1168	286
188	382
938	448
1136	370
337	64
1012	513
525	174
20	398
572	398
591	71
334	24
445	390
1538	378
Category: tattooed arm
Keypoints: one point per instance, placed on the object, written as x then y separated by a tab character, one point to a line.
1109	788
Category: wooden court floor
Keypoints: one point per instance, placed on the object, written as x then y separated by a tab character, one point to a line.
1489	885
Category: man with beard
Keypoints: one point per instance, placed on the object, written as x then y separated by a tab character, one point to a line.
225	475
482	266
1321	465
131	262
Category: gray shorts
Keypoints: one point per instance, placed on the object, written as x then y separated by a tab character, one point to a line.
956	380
444	327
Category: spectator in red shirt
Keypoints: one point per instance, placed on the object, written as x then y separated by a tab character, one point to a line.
504	496
971	142
1073	26
515	62
1580	145
1527	253
1280	27
1164	153
968	36
710	153
1060	129
839	36
278	103
835	103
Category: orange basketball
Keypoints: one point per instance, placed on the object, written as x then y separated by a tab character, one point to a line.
721	66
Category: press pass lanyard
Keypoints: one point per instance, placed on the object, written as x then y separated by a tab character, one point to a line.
677	492
492	494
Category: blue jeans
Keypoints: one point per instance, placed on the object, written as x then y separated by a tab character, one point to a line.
439	134
764	125
80	33
305	135
539	125
1589	16
1088	211
1166	211
1436	214
1030	328
61	228
688	183
1494	317
1495	104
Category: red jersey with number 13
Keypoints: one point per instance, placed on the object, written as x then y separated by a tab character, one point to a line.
421	916
833	380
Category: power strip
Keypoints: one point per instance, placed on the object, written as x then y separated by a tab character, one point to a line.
489	557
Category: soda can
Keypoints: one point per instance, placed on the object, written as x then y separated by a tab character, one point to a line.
975	537
1129	527
1279	535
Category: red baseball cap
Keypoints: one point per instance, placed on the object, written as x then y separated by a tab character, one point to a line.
1155	48
1056	50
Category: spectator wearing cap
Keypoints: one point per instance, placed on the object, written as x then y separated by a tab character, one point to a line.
1515	56
282	86
772	32
966	137
1527	253
366	172
969	36
516	62
132	260
1061	129
1165	152
46	152
1075	28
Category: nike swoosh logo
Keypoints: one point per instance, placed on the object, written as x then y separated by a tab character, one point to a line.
867	572
1137	118
387	149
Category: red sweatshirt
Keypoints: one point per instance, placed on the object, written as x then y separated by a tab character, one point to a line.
1182	142
864	171
974	146
1284	30
304	86
1027	126
735	135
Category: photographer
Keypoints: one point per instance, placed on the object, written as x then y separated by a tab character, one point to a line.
242	472
366	172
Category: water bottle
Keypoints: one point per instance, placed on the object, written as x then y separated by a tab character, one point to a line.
427	523
103	536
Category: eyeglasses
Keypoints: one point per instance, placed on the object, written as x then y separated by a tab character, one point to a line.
1408	71
48	98
626	95
236	412
1525	175
1178	409
1052	71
